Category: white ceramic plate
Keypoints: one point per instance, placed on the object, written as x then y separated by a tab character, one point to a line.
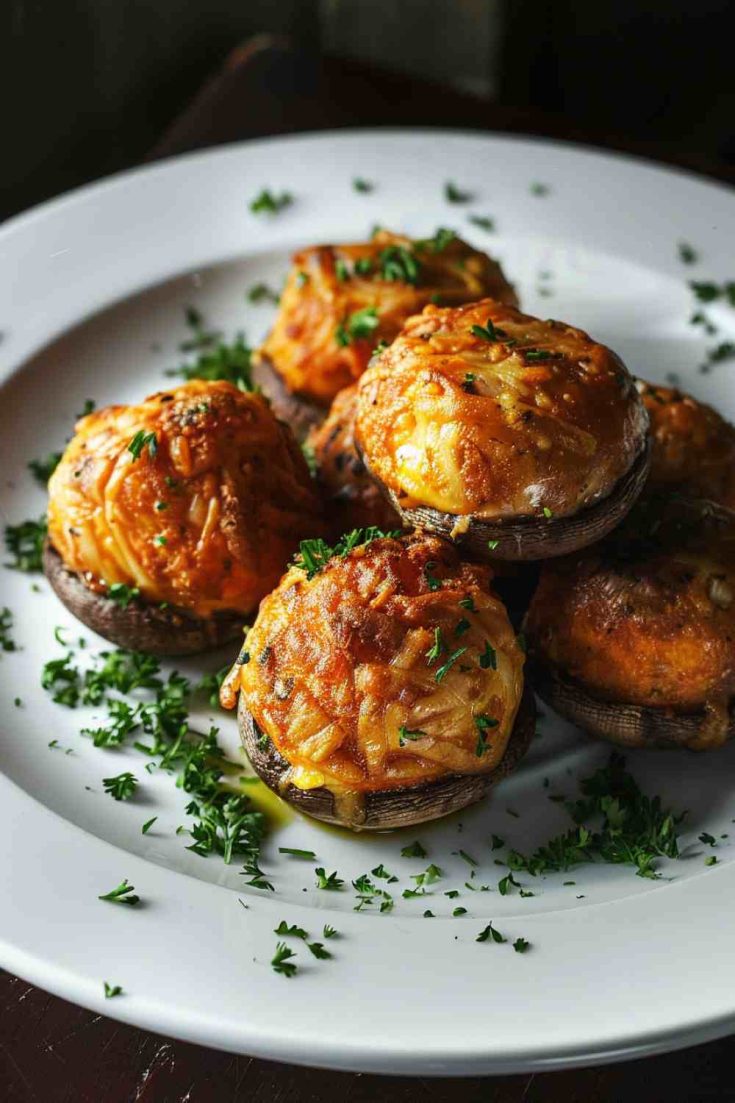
92	290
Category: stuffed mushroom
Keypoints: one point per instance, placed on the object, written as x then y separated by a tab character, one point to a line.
352	497
519	438
341	301
692	446
382	684
168	521
634	639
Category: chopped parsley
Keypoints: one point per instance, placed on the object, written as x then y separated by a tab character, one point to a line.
319	951
314	555
364	187
148	825
120	787
442	672
462	626
143	440
711	860
262	293
459	911
281	963
687	253
521	945
634	829
707	291
539	190
492	545
489	933
482	221
413	850
43	469
488	332
307	855
123	894
483	725
268	202
453	194
436	648
25	543
397	264
438	243
505	884
537	354
290	932
468	603
548	514
708	839
358	326
489	657
329	932
331	882
230	362
431	581
112	990
405	735
122	594
6	641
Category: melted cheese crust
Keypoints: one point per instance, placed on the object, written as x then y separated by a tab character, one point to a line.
302	346
354	498
339	663
693	446
542	418
648	615
208	522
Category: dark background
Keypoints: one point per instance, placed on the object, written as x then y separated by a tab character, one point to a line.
89	85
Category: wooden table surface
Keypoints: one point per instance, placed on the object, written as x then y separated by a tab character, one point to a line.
54	1052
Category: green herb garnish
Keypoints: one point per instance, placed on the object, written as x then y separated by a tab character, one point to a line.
120	787
142	440
112	990
444	670
482	221
488	933
122	594
358	326
364	187
405	735
331	883
25	543
262	293
268	202
43	469
453	194
123	894
413	850
281	963
307	855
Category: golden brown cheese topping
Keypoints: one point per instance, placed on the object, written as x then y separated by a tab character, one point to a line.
341	301
392	666
481	410
693	446
354	499
648	615
205	516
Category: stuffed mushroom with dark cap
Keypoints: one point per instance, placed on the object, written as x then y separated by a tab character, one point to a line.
382	683
169	520
634	639
516	437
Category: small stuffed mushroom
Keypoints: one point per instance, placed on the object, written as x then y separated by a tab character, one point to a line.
518	438
341	301
692	446
352	497
382	686
168	521
634	639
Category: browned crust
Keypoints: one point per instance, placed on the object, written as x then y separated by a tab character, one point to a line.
141	626
387	808
300	413
518	539
626	724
